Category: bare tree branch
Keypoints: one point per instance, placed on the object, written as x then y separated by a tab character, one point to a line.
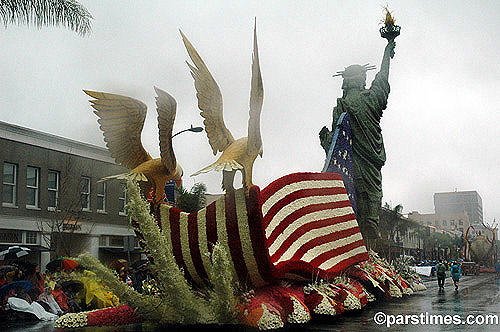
67	218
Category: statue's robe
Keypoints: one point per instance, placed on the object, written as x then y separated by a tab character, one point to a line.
365	108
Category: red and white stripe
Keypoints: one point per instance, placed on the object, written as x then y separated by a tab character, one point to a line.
299	226
307	218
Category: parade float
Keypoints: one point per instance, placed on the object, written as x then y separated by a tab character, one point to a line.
480	249
283	254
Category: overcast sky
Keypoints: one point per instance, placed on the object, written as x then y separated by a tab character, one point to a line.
440	127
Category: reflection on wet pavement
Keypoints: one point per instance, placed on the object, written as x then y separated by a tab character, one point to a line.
476	295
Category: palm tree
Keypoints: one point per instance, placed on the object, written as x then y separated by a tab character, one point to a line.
68	13
391	221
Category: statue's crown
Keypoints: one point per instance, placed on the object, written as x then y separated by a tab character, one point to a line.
355	70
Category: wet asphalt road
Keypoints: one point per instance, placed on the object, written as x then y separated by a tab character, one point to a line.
477	295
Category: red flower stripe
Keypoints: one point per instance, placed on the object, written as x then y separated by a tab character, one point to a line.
121	315
194	245
233	237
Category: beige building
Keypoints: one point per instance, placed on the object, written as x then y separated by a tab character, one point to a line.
455	223
458	201
51	198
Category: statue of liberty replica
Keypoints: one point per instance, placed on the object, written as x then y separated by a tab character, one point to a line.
364	108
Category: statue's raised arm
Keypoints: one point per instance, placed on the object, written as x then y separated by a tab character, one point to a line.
364	108
389	31
386	59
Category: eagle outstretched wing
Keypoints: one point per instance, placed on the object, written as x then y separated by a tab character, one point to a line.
256	100
209	101
121	120
166	107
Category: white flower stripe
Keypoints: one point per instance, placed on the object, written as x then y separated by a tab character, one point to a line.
307	184
186	253
318	250
305	219
293	206
245	239
202	238
220	217
327	265
314	233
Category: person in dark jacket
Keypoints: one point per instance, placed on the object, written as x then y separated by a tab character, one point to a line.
441	274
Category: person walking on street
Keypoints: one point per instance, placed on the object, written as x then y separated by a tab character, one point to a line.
441	273
456	273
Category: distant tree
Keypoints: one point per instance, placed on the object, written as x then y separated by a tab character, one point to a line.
68	13
193	200
390	222
394	228
439	241
66	220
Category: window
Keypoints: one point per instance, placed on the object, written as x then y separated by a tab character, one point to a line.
122	200
32	187
11	236
53	189
116	241
85	193
444	223
101	197
31	238
436	222
9	196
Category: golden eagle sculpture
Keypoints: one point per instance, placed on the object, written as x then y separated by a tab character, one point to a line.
121	120
237	154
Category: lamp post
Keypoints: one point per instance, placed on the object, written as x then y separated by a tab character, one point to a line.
193	129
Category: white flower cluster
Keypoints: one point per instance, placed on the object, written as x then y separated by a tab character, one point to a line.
417	286
325	307
394	290
351	302
300	314
369	295
70	320
269	320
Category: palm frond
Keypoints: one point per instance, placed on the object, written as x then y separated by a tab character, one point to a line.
67	13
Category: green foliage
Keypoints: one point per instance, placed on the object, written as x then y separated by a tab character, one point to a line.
145	305
184	306
178	302
68	13
439	240
193	200
222	297
401	265
392	222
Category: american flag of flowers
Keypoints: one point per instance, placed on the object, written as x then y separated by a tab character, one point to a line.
301	226
339	157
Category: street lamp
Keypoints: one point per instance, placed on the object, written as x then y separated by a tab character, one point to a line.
193	129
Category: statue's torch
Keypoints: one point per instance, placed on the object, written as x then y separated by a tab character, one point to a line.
390	30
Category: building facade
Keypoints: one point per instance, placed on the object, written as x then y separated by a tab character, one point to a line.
459	201
52	201
451	223
405	239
